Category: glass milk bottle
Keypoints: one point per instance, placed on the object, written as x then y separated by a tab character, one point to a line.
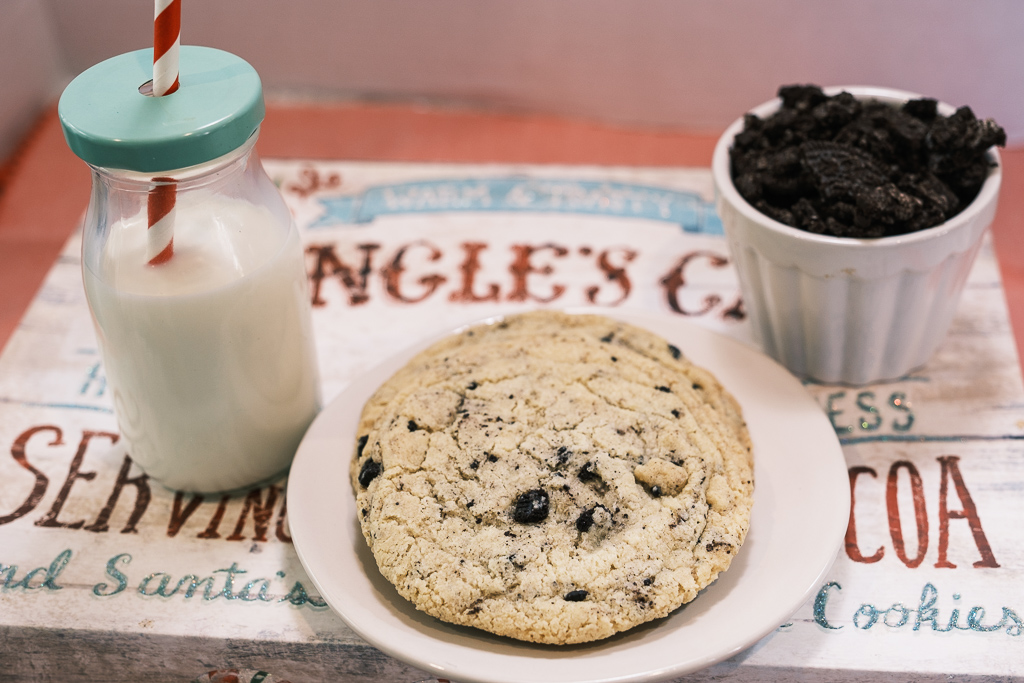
193	271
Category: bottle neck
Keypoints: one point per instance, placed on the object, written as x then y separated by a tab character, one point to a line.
192	177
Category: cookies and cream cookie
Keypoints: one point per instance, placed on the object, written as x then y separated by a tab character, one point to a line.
554	478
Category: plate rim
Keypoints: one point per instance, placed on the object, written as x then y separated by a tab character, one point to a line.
642	318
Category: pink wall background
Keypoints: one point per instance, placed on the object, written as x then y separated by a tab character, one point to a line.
693	64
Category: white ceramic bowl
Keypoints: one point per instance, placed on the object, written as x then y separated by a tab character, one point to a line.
844	310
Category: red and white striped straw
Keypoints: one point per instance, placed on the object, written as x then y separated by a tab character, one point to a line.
166	44
160	210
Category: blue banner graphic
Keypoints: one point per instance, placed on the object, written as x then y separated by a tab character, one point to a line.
686	209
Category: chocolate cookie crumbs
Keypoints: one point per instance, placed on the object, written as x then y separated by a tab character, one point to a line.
531	507
587	473
586	519
368	472
839	166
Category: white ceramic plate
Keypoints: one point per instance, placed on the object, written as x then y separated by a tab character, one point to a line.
801	509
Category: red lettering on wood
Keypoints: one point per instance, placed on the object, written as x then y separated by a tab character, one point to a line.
736	311
950	470
393	275
50	518
282	522
920	513
614	274
852	547
261	513
142	496
211	530
470	267
522	266
675	280
328	264
179	516
312	181
41	482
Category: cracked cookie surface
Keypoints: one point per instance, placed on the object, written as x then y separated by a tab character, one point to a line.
553	478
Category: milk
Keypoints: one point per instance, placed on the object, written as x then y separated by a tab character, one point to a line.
210	356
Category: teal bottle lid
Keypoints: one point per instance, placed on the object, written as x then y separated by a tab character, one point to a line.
108	122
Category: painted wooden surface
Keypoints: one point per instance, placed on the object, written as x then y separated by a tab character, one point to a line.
106	575
45	188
